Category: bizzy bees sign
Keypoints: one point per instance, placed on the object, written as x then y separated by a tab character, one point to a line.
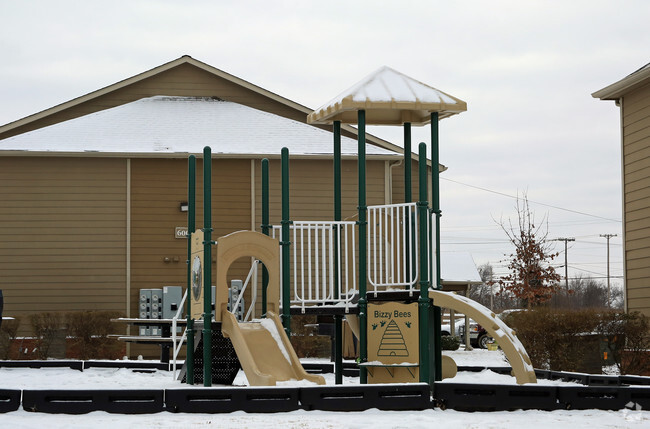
393	340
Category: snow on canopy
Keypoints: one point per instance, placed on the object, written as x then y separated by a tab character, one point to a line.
389	98
168	125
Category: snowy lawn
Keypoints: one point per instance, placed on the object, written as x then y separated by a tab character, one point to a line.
108	378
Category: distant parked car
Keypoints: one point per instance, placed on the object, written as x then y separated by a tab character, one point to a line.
478	336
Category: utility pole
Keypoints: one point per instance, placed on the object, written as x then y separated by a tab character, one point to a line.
609	294
566	263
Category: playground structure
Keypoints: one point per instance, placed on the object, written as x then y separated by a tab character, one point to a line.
390	249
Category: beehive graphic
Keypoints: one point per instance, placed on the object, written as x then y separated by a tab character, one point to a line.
392	342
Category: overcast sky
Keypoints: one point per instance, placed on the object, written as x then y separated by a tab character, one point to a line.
525	68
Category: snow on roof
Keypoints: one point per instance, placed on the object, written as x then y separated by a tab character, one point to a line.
458	267
168	125
384	91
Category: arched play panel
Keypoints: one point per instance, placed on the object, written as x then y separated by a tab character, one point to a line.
241	244
522	368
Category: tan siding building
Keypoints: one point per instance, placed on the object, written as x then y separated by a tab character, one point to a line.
91	188
632	95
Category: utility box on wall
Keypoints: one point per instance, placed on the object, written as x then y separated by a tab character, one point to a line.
171	301
233	295
150	308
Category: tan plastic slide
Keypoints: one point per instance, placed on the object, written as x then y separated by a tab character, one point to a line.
522	368
264	351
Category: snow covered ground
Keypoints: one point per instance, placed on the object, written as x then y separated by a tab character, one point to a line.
107	378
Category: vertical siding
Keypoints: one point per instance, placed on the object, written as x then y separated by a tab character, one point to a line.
62	234
158	187
636	176
311	186
398	183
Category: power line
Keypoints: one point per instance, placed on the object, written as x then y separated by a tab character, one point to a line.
531	201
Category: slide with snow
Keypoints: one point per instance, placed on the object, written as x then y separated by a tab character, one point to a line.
522	367
264	351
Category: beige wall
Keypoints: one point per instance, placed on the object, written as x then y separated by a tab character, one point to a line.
62	234
636	177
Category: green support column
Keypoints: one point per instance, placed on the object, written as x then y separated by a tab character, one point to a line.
423	300
408	196
363	228
338	319
285	243
265	227
436	284
191	203
407	163
207	269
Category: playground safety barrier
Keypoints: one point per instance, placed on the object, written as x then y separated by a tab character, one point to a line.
9	400
86	401
394	397
458	396
473	397
317	248
252	400
392	246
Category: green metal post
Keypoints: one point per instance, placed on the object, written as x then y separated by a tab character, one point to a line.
407	163
408	196
265	227
207	267
363	228
285	243
423	301
435	195
338	319
191	203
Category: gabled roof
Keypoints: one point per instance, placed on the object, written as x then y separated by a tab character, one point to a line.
118	94
178	126
629	83
185	59
388	98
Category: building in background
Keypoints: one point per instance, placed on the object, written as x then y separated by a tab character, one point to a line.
92	189
632	95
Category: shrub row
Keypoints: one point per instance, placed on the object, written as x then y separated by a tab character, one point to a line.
86	331
563	340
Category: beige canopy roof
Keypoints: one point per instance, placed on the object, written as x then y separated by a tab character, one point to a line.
389	98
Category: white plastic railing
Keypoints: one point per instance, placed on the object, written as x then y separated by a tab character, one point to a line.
317	248
177	346
392	246
432	250
252	274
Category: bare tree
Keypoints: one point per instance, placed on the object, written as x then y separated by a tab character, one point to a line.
587	292
531	276
483	293
491	294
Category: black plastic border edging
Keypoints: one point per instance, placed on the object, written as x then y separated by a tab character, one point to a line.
413	396
126	364
36	364
9	400
227	400
86	401
496	397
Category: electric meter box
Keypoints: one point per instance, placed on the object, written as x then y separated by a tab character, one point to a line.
171	301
